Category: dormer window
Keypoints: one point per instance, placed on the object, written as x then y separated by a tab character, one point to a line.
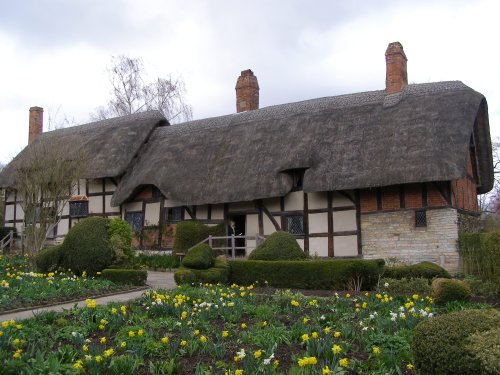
78	206
297	175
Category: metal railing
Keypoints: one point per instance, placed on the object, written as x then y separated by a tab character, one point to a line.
7	241
230	249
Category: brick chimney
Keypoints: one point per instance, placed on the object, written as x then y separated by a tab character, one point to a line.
247	92
396	76
36	123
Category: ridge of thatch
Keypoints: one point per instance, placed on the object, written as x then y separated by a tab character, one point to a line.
344	142
109	145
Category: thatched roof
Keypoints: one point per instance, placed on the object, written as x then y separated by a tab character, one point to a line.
345	142
108	146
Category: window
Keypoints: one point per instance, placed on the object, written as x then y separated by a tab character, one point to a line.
173	215
135	220
295	224
78	206
420	219
297	175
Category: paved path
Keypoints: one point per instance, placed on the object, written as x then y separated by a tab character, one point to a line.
156	280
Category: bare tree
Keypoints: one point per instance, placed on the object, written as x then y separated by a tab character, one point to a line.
489	203
132	94
45	175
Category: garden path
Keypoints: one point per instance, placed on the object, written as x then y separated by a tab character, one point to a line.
156	280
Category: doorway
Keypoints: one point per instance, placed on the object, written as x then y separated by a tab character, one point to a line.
239	230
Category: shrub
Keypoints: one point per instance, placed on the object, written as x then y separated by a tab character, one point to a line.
480	254
482	288
125	276
278	246
427	270
156	262
120	238
188	233
199	257
439	344
404	287
448	290
184	276
86	247
485	346
310	274
49	259
219	273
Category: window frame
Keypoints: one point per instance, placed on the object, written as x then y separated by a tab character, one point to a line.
420	218
169	216
132	223
79	214
287	220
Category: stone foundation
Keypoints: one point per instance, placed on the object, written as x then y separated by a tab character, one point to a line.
394	235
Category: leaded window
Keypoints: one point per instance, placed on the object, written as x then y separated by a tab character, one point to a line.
78	209
173	215
420	218
135	220
295	224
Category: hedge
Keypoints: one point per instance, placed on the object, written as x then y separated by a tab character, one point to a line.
125	276
308	274
278	246
190	232
427	270
217	274
49	258
199	257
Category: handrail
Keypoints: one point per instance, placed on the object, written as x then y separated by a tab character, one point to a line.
7	240
257	237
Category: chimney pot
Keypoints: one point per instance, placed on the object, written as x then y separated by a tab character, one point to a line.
35	123
247	92
396	76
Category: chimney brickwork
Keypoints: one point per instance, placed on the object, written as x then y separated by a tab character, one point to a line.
36	123
396	77
247	92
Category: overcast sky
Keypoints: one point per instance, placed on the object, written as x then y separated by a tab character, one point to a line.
54	53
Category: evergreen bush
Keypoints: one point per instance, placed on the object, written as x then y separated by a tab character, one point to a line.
448	290
427	270
278	246
86	247
480	254
404	286
120	238
485	346
125	276
199	257
191	232
184	276
49	259
439	344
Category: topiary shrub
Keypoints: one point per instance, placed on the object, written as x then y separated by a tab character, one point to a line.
219	273
184	276
439	344
485	346
199	257
120	238
427	270
404	287
278	246
49	259
125	276
86	247
448	290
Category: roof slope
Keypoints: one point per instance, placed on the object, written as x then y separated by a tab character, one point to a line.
351	141
109	145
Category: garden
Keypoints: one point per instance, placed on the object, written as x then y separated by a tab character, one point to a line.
275	313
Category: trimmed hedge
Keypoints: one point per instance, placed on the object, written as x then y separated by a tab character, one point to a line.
309	274
184	276
199	257
125	276
485	346
439	344
448	290
427	270
278	246
49	259
86	247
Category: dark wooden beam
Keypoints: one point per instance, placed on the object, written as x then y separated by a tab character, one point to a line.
424	194
329	196
379	199
271	217
357	194
190	213
345	233
260	216
346	195
401	196
306	223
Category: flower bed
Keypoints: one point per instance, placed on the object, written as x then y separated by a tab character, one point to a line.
21	287
222	330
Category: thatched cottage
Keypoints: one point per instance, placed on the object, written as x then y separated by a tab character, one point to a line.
384	173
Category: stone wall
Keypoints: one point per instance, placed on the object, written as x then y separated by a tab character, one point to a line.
394	235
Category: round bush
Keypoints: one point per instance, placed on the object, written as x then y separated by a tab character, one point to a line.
120	238
86	247
184	276
439	344
49	259
448	290
199	257
485	346
427	270
278	246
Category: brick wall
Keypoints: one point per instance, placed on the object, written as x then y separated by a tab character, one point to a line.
393	235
